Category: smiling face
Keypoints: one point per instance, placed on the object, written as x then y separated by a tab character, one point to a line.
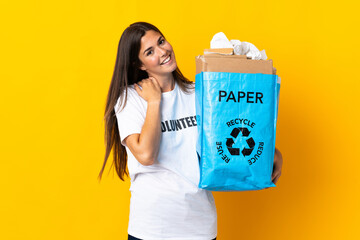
154	55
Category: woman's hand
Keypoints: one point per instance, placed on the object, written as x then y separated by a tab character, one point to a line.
151	90
278	162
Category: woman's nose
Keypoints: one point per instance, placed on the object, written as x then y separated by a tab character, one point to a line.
162	51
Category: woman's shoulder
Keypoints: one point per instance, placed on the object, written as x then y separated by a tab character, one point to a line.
129	94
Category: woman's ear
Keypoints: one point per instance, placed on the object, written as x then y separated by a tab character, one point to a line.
142	67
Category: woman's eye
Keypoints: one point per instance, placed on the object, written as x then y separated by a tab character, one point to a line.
162	41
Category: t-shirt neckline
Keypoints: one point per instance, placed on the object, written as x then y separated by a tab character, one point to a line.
170	93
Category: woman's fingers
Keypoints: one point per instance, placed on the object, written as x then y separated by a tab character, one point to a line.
144	81
278	162
151	81
276	178
276	174
154	80
156	84
137	88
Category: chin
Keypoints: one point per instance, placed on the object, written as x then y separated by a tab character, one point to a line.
171	69
174	65
174	68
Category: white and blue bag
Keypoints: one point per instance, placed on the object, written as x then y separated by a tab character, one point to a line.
236	117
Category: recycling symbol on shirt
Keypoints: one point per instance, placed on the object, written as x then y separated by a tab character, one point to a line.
244	134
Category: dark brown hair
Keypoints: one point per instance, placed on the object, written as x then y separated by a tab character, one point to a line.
127	72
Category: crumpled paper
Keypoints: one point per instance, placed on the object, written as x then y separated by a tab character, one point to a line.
220	40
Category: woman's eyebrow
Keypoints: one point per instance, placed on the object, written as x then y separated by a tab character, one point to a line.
151	47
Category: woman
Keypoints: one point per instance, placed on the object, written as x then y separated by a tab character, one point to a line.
147	93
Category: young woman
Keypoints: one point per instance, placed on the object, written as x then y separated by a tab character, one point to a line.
148	96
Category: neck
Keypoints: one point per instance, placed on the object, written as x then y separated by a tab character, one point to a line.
166	82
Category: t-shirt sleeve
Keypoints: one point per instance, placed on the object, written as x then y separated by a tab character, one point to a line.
130	118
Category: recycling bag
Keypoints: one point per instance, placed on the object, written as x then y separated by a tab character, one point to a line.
236	116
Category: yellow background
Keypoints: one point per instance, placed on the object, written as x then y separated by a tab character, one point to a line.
57	59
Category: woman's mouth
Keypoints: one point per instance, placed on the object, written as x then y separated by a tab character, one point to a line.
168	60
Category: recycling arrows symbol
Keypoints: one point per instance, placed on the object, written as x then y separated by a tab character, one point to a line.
236	151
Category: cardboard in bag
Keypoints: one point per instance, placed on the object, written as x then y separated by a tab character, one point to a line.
232	63
222	51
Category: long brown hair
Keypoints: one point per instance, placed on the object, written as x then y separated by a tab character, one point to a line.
127	72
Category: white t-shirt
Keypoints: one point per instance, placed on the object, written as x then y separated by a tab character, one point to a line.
166	202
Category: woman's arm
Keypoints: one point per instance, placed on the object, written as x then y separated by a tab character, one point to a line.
145	146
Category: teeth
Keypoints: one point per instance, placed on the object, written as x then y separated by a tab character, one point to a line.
166	60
